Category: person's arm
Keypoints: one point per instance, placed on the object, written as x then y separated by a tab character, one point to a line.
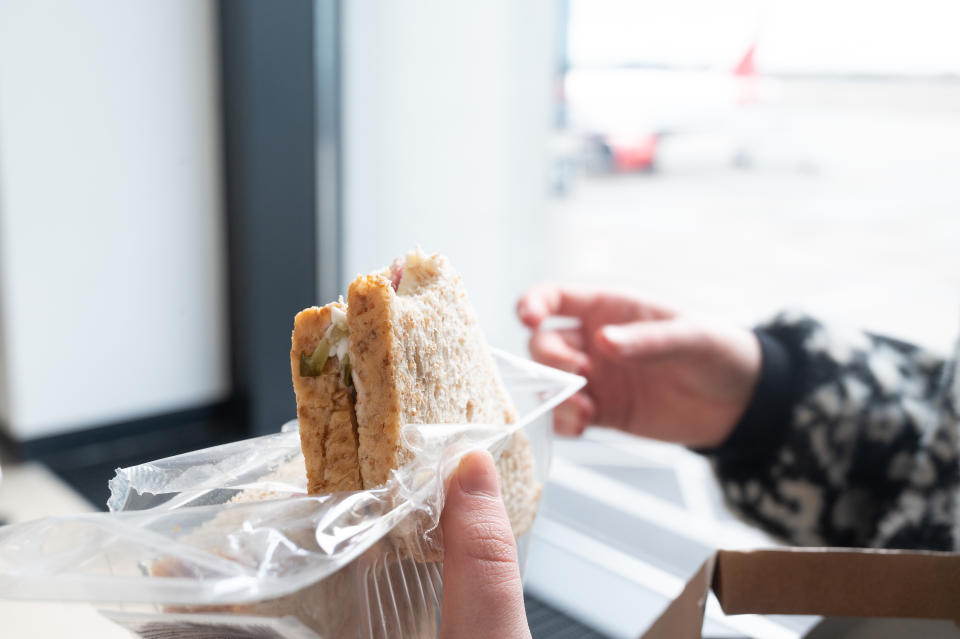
820	437
840	444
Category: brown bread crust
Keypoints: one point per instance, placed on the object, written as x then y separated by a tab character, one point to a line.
374	359
325	410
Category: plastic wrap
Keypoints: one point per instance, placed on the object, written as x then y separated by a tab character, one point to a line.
225	534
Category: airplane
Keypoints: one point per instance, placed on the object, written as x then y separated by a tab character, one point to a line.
626	113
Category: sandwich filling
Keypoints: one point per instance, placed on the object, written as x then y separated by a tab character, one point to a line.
334	343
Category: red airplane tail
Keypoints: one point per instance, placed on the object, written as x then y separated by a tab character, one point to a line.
747	67
747	77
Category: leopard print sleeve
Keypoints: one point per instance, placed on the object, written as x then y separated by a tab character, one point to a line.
849	440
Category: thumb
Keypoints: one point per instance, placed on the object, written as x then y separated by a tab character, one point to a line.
482	592
650	339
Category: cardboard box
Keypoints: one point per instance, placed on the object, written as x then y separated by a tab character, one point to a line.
832	582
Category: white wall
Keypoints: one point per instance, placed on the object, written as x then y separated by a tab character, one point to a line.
112	268
447	112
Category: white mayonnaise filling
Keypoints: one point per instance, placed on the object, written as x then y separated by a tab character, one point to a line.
337	318
338	345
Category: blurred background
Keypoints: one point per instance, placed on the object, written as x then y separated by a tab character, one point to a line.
178	179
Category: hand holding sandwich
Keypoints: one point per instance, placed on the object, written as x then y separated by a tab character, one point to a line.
482	592
649	370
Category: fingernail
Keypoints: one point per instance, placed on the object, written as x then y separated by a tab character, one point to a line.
583	366
566	421
477	475
527	314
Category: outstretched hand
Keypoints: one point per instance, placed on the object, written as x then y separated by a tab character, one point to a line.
650	371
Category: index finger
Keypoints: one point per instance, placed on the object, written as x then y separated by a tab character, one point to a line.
545	300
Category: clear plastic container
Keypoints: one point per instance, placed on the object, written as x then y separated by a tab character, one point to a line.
226	539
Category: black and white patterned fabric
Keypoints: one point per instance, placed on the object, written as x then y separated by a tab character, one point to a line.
850	440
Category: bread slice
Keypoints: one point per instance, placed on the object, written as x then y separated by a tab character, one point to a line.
518	483
325	409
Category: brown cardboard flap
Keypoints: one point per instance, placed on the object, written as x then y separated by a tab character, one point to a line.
817	581
683	618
